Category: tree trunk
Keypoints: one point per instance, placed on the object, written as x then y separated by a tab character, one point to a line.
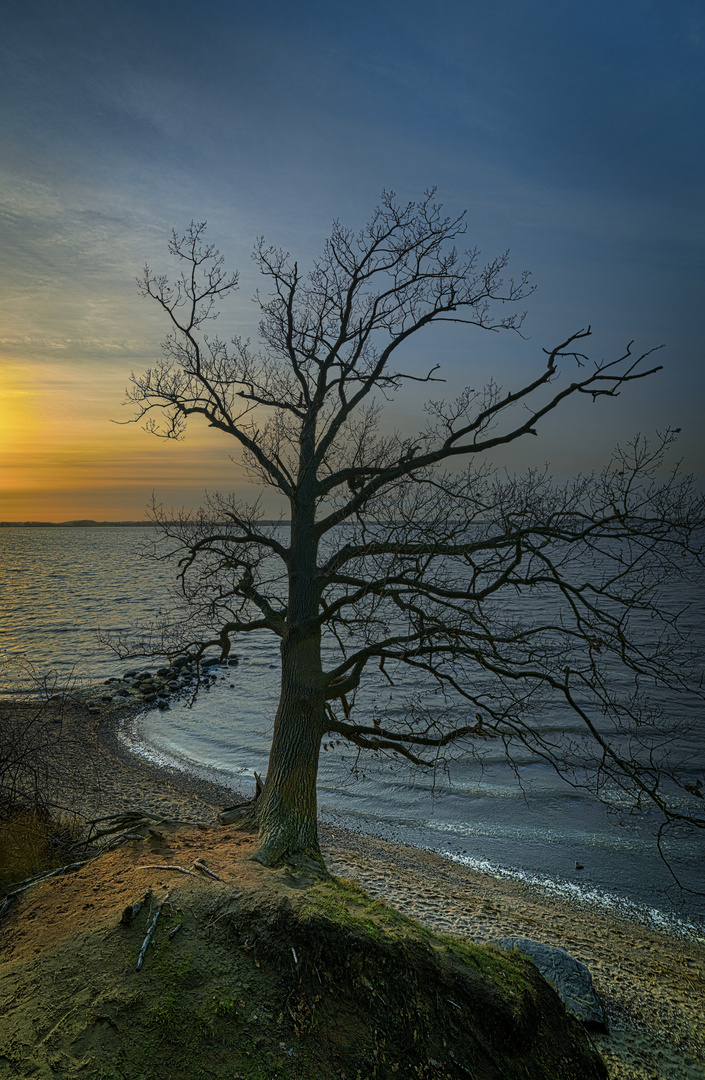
286	811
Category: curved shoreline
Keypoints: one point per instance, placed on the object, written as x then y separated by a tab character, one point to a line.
592	899
187	783
652	984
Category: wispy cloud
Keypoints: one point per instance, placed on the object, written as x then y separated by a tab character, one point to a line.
573	135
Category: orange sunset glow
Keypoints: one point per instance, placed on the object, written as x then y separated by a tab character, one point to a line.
62	457
573	138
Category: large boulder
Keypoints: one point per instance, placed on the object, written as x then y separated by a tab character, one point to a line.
569	977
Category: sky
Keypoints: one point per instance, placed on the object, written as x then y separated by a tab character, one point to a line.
573	134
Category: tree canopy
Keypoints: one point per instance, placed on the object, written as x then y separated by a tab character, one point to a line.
480	596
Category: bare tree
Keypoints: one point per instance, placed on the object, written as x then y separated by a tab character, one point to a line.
409	554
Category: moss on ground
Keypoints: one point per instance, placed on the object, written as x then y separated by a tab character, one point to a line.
292	979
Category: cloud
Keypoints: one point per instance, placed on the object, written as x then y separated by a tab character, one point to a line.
571	133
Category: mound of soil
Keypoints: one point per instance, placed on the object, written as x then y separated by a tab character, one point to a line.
257	974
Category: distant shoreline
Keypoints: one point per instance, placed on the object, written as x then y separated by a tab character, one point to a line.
88	523
83	524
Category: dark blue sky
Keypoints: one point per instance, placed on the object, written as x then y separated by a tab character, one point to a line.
573	134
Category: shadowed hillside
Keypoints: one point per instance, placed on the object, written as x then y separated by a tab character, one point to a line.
257	974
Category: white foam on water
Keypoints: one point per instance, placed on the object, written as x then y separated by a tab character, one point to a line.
130	739
614	904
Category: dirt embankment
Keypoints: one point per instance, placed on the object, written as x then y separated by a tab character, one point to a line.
259	974
653	984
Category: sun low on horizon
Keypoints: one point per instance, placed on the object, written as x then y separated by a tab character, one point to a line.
68	452
570	134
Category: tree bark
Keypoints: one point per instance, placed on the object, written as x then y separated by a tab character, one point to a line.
286	811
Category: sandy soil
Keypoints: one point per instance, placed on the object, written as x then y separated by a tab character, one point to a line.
653	985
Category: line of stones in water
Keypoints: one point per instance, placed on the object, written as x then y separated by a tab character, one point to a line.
146	687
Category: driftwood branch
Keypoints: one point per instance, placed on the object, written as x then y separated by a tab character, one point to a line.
150	932
38	878
167	866
198	864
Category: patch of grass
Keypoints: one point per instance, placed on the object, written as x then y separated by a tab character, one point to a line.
216	1008
32	841
346	904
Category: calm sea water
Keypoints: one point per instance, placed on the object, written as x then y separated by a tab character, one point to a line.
60	588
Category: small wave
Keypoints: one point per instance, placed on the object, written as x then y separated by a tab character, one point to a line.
614	904
541	834
180	763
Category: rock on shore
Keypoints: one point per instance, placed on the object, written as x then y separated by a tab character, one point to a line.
151	686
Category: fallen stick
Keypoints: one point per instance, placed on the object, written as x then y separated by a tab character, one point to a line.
148	936
58	1025
38	878
161	866
198	864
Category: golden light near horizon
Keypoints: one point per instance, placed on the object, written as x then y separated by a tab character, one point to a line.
63	456
18	413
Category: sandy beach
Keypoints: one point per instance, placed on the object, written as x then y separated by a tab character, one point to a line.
652	984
